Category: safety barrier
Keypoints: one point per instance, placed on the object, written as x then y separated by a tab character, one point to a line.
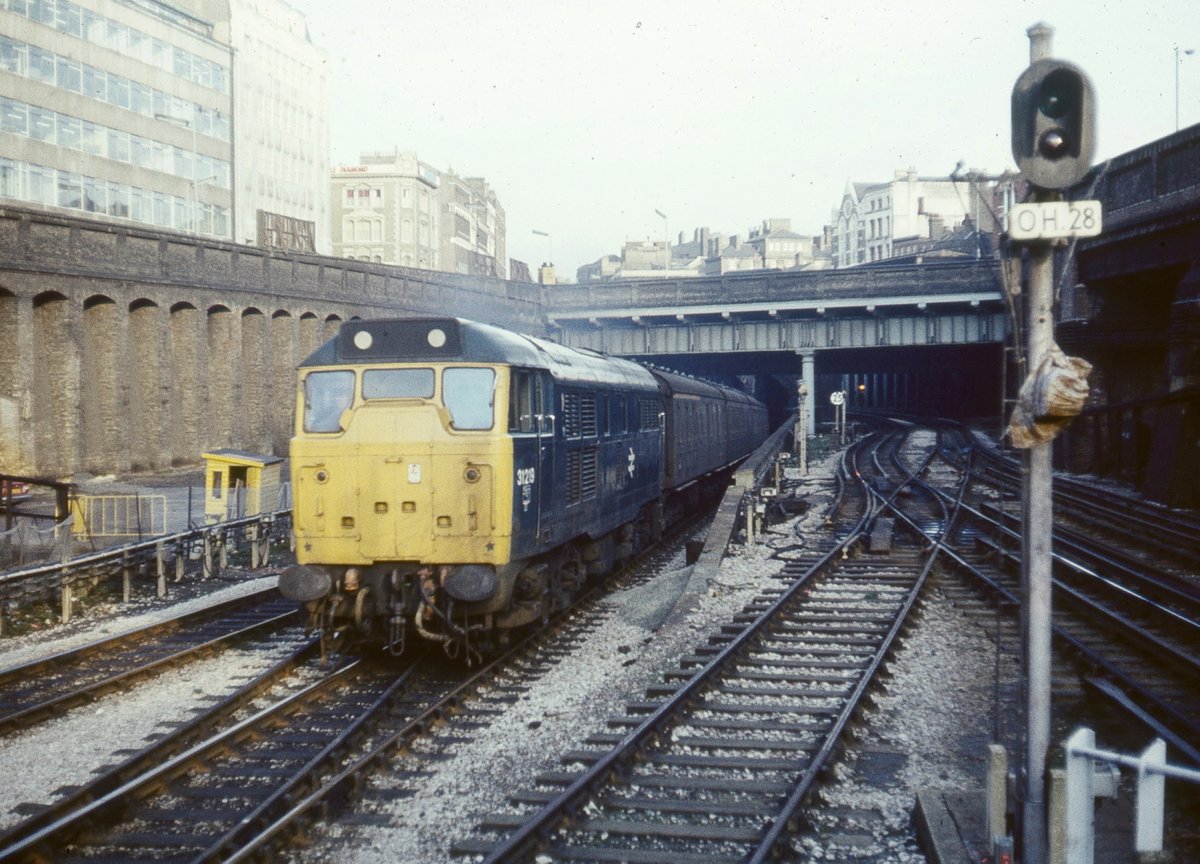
138	516
144	561
1084	783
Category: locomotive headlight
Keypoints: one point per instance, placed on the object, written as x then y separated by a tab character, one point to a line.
472	474
321	476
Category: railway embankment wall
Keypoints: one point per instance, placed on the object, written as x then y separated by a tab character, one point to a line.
126	349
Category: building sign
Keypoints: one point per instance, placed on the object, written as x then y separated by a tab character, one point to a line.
276	231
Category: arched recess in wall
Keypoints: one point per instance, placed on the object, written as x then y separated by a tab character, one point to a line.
13	396
333	323
310	335
102	396
55	386
224	396
255	375
188	375
149	353
283	377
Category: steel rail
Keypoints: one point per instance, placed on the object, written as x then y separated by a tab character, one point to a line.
1165	718
35	671
56	833
162	750
539	825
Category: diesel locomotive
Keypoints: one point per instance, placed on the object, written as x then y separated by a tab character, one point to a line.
453	481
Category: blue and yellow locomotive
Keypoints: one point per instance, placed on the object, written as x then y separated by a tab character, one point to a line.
455	480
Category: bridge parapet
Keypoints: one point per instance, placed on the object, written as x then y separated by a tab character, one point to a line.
766	292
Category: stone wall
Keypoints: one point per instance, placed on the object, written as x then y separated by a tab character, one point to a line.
129	349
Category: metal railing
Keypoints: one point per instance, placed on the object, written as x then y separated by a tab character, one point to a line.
1084	785
98	516
144	561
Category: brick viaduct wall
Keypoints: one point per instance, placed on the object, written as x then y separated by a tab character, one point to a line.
123	349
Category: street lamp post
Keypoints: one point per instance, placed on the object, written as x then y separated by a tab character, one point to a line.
1177	61
549	246
666	239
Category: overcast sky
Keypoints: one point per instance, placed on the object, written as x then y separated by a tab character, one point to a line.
587	117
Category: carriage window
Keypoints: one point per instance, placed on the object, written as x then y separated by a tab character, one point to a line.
469	394
398	384
326	396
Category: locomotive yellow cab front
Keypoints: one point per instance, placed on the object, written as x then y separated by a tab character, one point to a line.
454	482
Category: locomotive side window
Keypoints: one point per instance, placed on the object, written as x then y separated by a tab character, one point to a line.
521	404
469	395
326	396
398	384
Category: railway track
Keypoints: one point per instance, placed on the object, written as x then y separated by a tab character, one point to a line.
34	691
717	763
1133	627
246	777
1165	539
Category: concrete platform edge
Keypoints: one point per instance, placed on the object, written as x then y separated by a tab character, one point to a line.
938	816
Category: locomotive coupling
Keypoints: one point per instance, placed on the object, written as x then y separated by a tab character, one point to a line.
305	584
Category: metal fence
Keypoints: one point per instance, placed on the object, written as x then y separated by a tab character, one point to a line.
104	516
155	562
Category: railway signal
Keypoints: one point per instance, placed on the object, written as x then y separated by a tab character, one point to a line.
1053	141
1053	123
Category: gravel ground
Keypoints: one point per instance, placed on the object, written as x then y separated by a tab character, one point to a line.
68	750
649	628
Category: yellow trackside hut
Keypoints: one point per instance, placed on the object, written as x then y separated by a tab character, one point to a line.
237	484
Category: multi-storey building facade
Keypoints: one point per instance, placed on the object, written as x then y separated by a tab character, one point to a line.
201	116
392	208
473	233
281	128
872	216
118	111
774	246
386	209
779	247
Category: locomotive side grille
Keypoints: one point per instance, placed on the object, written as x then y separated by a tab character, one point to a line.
647	414
582	474
574	462
587	474
587	419
571	415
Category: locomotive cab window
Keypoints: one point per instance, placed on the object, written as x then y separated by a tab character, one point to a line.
469	395
398	384
527	401
521	403
326	396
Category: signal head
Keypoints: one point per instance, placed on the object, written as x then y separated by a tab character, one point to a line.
1053	123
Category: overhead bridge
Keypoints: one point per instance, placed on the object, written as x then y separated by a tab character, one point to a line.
824	327
920	304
